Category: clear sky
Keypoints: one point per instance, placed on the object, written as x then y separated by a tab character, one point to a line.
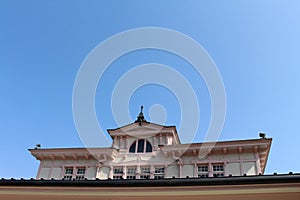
255	45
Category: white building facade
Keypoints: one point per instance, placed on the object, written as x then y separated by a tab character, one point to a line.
144	150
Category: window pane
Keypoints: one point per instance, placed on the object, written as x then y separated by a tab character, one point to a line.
69	170
218	168
117	177
79	178
148	147
145	177
141	146
132	148
145	170
81	171
68	177
202	168
131	170
160	170
118	171
130	177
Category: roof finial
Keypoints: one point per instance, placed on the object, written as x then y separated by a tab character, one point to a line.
141	117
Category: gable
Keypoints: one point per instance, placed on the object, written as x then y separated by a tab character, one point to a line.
139	129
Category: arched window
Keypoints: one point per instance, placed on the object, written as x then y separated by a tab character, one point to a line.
140	146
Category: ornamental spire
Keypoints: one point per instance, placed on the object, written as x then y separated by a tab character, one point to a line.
140	117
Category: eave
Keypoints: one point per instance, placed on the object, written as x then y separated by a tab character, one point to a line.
73	153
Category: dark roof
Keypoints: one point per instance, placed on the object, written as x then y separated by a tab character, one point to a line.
236	180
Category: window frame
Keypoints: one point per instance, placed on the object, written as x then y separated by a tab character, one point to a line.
218	169
137	143
159	172
145	172
203	173
72	172
118	173
131	172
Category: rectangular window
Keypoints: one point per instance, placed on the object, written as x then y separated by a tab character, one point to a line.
159	173
80	173
145	173
68	173
131	171
117	177
81	170
145	170
160	170
130	177
145	177
202	168
67	177
218	170
118	172
202	171
69	170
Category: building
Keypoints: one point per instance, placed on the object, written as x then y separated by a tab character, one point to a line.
144	150
150	162
262	187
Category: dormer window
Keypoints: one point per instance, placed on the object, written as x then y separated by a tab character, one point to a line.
140	146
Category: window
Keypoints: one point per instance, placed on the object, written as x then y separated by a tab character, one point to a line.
159	173
140	146
131	171
145	173
68	173
118	173
74	173
80	173
203	171
218	170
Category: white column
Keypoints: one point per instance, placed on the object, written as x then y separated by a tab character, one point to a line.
127	142
124	172
98	170
167	139
138	172
160	139
111	172
152	170
180	169
154	141
121	142
210	167
195	170
258	168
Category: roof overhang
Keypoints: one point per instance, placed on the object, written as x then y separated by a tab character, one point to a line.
73	153
259	146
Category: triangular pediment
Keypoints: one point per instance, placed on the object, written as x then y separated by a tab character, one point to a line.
144	128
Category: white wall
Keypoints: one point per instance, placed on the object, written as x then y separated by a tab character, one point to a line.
234	156
217	156
56	173
103	173
172	171
187	170
247	156
44	173
249	168
233	169
91	172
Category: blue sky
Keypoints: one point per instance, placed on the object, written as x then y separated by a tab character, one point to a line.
255	45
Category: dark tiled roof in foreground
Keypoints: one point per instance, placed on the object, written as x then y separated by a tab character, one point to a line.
237	180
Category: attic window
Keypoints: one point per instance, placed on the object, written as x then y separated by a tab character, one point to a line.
140	146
